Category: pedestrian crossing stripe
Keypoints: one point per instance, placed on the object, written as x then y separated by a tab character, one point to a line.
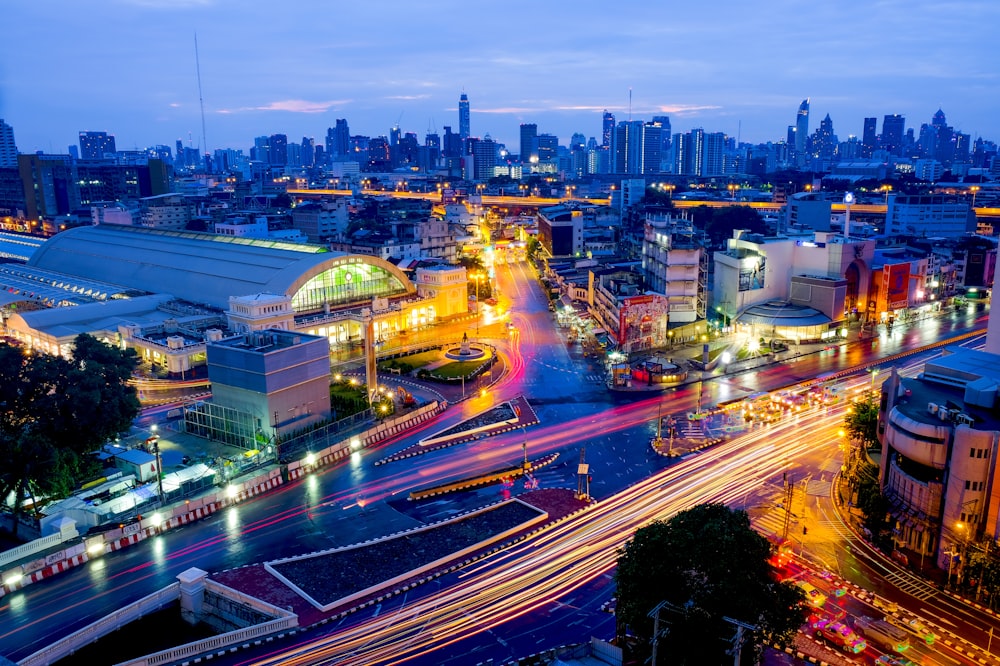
912	585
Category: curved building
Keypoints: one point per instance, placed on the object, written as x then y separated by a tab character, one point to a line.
206	284
208	269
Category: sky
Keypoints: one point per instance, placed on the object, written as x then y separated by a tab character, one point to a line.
128	67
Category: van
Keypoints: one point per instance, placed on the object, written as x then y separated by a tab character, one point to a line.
882	634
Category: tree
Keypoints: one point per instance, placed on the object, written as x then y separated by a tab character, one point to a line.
704	564
55	412
861	422
532	248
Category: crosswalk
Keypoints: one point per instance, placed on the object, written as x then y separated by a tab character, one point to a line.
910	584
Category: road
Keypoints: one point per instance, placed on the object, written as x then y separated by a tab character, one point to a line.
358	500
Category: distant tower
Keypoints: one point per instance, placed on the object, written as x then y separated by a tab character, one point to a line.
529	142
463	117
869	137
607	129
892	133
8	150
94	145
801	131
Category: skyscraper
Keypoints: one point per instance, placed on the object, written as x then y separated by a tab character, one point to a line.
8	150
464	130
801	131
548	147
637	147
277	145
607	128
869	137
94	145
529	142
338	140
892	133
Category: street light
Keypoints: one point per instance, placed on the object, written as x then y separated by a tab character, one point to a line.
478	278
886	189
732	187
974	189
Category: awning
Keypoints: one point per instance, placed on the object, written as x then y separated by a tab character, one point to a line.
598	331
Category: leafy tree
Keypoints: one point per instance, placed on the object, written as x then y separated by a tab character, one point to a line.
704	564
861	422
532	248
482	289
54	412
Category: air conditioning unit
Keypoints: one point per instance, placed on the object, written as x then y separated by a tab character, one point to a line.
963	419
932	408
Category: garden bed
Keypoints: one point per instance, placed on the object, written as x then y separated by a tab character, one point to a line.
334	575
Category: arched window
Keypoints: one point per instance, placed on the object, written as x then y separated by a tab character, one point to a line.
346	284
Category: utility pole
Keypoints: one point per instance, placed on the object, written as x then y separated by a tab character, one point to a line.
789	494
738	639
583	476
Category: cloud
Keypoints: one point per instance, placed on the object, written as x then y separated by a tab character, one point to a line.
407	97
684	109
168	4
290	105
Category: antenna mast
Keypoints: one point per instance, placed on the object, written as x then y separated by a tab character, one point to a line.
630	105
201	99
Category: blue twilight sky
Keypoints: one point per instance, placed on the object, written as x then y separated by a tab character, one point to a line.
128	66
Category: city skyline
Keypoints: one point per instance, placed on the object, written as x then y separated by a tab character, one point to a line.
265	73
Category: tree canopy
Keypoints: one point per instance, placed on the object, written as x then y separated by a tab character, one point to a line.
861	422
54	412
703	565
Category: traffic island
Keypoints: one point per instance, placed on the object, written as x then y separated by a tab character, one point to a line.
507	475
506	416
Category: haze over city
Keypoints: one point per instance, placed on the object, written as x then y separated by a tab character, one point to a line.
128	67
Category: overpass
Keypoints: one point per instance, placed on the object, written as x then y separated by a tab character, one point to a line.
985	214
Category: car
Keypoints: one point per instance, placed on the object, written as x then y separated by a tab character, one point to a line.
889	660
815	598
884	604
840	635
916	627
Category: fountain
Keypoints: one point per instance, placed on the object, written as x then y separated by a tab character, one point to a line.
465	351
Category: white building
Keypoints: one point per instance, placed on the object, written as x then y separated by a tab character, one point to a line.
673	261
929	215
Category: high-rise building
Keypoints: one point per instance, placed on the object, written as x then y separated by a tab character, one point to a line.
801	131
607	129
824	141
277	150
548	147
338	140
8	150
464	125
664	123
529	142
308	151
482	159
869	137
637	147
452	146
95	145
892	133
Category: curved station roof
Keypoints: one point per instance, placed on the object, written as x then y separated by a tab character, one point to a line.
209	269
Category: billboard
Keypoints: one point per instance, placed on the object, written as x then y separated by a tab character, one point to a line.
896	278
642	322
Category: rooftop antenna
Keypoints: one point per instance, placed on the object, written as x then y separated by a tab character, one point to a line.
630	104
201	99
739	130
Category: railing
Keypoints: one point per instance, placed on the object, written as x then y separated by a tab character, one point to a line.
103	627
30	548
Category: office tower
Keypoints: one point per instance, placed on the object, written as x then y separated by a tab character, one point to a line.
961	154
308	151
379	156
892	133
277	153
637	147
95	145
548	147
801	131
869	137
338	140
261	151
481	159
433	144
529	142
452	145
607	129
8	150
664	123
825	141
714	151
463	117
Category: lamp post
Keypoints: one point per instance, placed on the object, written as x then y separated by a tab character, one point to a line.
477	277
732	187
974	189
886	189
159	463
874	372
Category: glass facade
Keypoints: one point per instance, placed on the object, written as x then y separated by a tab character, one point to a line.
346	284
